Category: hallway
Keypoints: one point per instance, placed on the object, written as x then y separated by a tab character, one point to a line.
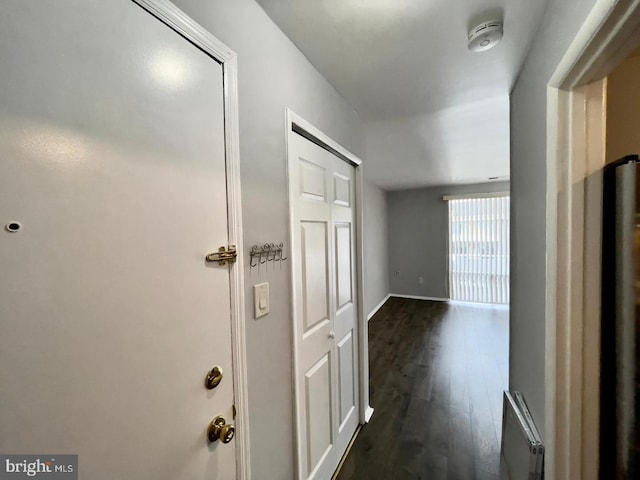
437	375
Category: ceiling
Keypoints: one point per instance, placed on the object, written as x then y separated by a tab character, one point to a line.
399	61
464	144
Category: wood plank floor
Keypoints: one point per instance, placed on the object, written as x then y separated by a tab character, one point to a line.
437	375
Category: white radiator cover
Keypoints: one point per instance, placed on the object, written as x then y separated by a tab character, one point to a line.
522	452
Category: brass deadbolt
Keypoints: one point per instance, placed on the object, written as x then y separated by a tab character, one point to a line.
214	377
219	429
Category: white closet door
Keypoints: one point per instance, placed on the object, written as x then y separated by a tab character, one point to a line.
325	308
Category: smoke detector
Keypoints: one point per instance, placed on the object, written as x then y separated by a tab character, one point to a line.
485	36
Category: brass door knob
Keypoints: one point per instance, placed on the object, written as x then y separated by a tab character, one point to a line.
214	377
218	429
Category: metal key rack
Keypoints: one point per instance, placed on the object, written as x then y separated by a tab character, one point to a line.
269	252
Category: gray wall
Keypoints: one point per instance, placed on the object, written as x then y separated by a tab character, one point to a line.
376	260
561	22
273	75
418	237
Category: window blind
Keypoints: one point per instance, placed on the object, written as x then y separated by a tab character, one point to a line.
479	249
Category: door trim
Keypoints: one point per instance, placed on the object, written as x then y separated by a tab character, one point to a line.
576	96
181	23
295	125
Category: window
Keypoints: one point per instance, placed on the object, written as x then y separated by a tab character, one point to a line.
479	249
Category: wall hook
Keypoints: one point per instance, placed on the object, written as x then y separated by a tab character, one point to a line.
268	252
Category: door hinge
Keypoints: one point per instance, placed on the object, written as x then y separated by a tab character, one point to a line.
223	255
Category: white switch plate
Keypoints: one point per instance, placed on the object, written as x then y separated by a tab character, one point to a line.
261	299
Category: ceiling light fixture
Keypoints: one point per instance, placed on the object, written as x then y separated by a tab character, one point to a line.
485	36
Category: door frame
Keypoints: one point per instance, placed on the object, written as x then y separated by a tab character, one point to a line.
576	123
182	24
296	125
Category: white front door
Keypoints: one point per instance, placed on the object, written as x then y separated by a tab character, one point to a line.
112	162
323	208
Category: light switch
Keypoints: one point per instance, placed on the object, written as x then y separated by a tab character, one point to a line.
261	299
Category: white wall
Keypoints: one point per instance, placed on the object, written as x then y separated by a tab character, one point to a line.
418	237
561	22
273	75
623	108
376	260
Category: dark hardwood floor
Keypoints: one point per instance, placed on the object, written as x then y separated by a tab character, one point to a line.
437	375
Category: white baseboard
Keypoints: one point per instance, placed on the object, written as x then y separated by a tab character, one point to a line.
377	307
368	413
417	297
478	304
